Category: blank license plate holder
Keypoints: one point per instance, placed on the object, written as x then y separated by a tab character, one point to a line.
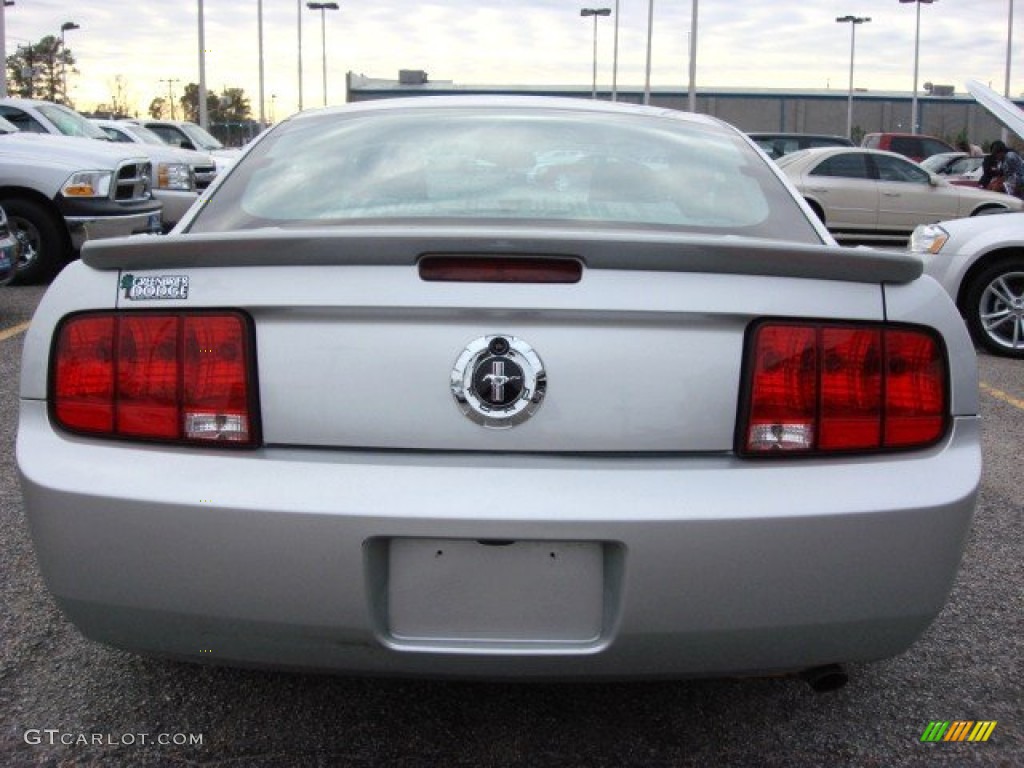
495	592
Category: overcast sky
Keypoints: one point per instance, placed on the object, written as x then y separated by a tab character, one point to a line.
772	43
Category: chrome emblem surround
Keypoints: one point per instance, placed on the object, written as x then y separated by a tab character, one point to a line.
498	381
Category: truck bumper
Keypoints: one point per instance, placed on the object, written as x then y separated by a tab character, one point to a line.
83	228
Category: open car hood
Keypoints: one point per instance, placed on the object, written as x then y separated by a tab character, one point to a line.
1004	110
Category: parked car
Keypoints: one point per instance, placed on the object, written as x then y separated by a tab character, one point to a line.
10	251
955	167
188	135
875	196
915	146
980	263
59	192
204	169
173	182
360	412
776	145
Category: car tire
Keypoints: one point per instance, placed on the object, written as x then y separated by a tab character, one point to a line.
45	248
818	211
991	210
994	307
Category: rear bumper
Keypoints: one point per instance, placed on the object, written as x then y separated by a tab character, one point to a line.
326	559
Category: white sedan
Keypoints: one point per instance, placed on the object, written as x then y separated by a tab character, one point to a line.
872	195
980	263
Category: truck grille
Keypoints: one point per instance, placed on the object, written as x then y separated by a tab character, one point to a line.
134	182
205	174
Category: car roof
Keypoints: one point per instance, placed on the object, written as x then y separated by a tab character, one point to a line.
814	154
797	135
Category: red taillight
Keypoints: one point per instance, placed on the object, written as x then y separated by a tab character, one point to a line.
818	388
156	376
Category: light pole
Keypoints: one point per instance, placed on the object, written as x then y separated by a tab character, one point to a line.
3	48
259	34
917	51
67	26
595	12
853	21
204	108
1009	50
692	95
650	38
299	24
323	7
615	57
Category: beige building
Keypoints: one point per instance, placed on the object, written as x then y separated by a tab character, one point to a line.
947	116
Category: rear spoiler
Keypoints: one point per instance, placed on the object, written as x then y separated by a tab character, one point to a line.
596	249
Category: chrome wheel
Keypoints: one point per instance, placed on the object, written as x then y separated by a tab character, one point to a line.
1000	311
42	235
29	239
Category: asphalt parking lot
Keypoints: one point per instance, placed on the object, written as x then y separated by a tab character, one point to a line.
65	701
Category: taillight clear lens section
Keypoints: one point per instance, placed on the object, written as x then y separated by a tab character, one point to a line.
184	377
815	388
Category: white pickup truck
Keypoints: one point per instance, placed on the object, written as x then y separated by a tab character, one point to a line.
178	174
59	192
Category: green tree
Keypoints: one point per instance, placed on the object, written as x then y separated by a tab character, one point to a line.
159	109
39	70
231	106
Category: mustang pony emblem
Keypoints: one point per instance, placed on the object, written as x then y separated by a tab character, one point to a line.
498	381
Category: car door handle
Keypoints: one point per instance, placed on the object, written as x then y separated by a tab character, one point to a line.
891	194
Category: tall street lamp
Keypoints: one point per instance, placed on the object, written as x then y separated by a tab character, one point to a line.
615	56
3	48
67	26
1009	50
917	51
323	7
692	95
595	12
204	108
853	21
259	35
299	4
650	39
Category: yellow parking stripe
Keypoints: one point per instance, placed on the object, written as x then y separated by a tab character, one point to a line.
13	331
998	394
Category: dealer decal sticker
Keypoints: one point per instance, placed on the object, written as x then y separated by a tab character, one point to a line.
156	287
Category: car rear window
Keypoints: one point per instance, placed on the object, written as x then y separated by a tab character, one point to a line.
906	146
542	166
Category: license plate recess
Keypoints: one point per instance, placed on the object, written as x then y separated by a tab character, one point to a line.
495	592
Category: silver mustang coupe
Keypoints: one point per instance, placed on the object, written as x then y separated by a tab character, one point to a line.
390	401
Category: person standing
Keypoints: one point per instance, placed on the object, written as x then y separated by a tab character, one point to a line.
1011	166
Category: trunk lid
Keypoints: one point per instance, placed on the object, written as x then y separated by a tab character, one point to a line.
644	353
